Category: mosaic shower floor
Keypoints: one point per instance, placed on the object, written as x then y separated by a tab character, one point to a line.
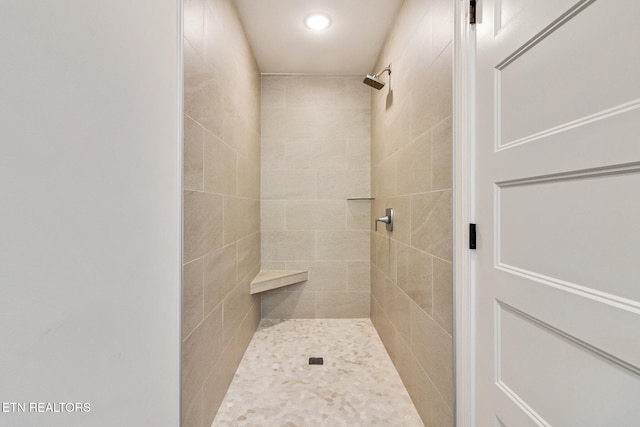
356	386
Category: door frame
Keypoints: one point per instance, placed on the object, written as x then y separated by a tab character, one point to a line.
464	64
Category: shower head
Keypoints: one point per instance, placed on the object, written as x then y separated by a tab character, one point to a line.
374	81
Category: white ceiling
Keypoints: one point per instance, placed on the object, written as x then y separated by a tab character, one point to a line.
282	43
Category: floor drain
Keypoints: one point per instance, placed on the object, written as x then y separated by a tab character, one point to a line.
316	361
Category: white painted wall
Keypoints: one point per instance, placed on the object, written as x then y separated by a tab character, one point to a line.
90	210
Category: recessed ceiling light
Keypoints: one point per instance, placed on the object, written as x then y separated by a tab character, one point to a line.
317	21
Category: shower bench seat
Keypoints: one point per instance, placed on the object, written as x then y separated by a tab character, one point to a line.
266	280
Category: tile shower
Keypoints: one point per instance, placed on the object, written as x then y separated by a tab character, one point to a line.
315	156
411	274
269	165
356	386
221	204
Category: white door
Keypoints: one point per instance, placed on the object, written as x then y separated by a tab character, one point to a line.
558	213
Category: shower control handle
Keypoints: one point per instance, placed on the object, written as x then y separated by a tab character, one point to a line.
387	219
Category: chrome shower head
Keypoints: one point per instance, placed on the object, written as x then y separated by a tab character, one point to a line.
374	81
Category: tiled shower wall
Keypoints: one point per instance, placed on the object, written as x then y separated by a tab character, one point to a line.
316	155
221	204
411	274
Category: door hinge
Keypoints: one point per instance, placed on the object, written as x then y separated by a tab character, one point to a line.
472	236
472	11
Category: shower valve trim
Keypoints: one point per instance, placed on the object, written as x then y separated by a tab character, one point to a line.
387	219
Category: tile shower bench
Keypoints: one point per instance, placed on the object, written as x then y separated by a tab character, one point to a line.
266	280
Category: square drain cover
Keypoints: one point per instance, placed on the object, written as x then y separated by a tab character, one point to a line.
316	361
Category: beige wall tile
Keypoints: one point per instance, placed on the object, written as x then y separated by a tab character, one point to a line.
398	132
236	306
315	215
398	309
202	88
359	215
402	218
376	145
316	153
428	401
442	11
342	304
376	311
385	329
288	245
431	223
202	224
385	179
382	249
237	132
421	41
213	33
393	262
379	282
273	92
220	166
432	100
316	120
193	155
248	257
220	271
288	185
272	215
319	90
266	265
358	94
359	276
273	154
324	276
252	146
248	179
193	415
216	383
433	348
443	294
272	123
386	252
442	156
288	305
343	245
241	218
295	287
415	276
411	157
341	185
221	99
415	380
193	24
408	19
200	350
252	321
408	77
349	123
359	153
441	412
373	255
192	296
413	166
